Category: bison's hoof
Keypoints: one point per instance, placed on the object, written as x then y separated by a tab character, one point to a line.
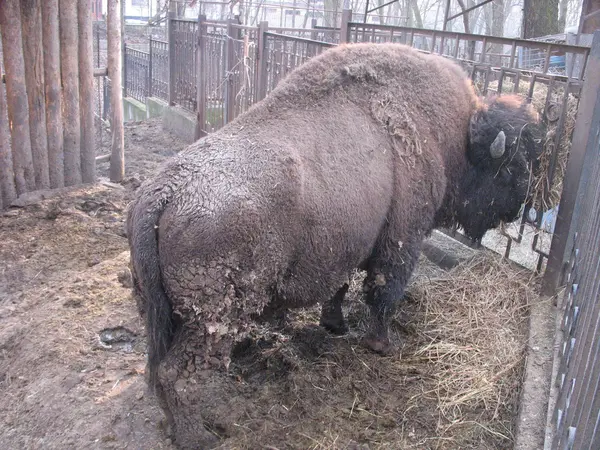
338	328
378	345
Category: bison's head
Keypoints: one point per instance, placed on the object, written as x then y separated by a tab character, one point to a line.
502	153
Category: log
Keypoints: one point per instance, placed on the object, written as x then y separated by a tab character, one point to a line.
113	31
16	95
52	77
7	174
69	65
86	91
31	17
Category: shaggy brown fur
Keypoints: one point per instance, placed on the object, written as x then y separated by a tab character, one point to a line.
348	163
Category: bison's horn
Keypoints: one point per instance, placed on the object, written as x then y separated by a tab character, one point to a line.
498	146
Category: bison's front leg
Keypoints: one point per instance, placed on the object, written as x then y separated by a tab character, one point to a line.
388	273
332	318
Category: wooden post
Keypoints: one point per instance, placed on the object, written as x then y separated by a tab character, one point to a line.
31	16
86	91
171	39
113	31
261	88
345	26
54	124
69	58
201	80
16	95
7	174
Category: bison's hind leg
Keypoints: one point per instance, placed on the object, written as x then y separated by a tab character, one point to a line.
198	398
332	318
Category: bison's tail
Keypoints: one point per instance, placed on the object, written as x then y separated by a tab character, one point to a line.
142	224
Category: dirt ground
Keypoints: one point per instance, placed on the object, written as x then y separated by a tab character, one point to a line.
72	346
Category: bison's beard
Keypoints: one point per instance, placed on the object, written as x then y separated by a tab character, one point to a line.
484	205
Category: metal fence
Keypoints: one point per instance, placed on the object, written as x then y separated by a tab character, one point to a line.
576	419
159	69
136	73
284	53
183	39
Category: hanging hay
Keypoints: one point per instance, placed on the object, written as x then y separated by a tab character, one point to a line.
551	117
453	383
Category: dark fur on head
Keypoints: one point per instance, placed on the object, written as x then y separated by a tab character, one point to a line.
494	189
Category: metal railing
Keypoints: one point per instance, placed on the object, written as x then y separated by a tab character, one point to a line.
136	73
183	38
284	53
159	69
577	412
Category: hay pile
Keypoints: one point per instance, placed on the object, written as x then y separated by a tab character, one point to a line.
550	116
452	384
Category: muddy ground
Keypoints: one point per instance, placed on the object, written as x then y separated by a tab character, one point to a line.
72	350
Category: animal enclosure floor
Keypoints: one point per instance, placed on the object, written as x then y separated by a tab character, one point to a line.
72	346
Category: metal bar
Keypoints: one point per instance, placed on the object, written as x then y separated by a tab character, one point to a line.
171	56
580	49
150	63
200	131
286	37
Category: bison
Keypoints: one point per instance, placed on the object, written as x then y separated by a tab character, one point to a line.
350	162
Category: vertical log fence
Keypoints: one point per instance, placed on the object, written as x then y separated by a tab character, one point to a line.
47	96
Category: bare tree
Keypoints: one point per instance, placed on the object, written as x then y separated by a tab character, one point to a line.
540	18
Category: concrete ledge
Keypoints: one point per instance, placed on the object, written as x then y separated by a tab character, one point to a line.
535	391
133	110
155	107
180	122
446	252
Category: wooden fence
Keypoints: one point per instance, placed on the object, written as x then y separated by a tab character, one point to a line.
46	119
47	103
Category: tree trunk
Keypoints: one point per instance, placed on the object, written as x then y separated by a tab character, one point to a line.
52	78
593	23
7	174
31	15
16	95
416	14
465	17
113	31
562	13
329	19
86	91
69	44
497	30
540	18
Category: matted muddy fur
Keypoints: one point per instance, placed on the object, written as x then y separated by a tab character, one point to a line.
349	163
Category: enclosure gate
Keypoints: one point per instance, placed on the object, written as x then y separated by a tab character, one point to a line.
576	418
